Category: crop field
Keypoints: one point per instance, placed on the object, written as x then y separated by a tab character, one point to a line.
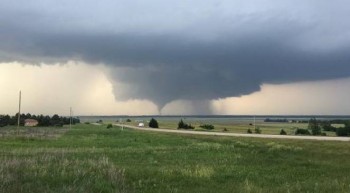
91	158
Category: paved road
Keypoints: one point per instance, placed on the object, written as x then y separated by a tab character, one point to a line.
321	138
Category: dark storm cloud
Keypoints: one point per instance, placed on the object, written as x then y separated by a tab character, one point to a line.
202	52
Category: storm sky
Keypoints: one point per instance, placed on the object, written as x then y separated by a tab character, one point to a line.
190	57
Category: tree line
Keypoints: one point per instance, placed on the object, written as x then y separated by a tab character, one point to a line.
317	126
43	120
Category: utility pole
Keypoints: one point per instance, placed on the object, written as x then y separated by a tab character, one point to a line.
70	118
254	123
121	123
19	110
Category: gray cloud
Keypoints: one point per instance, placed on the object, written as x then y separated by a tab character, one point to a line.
192	51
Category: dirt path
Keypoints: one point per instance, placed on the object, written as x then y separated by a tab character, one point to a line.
321	138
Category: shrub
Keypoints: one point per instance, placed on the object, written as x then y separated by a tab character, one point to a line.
323	134
327	126
225	129
342	131
190	126
249	131
257	130
283	132
300	131
207	126
183	125
128	120
58	125
109	126
153	123
87	122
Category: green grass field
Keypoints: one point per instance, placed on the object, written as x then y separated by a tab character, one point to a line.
240	126
92	158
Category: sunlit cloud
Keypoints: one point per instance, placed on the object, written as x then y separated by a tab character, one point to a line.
309	98
49	89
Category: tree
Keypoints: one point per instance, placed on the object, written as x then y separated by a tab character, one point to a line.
28	116
46	121
314	127
283	132
181	124
153	123
343	131
327	126
4	120
56	121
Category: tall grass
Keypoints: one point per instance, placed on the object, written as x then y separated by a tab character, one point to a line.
52	172
32	132
90	158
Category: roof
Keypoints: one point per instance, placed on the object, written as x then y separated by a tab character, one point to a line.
30	120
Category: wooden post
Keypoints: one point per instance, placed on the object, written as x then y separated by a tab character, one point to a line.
19	111
70	118
254	123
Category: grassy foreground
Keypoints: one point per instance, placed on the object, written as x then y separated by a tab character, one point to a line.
92	158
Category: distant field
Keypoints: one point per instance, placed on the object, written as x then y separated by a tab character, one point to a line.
91	158
235	126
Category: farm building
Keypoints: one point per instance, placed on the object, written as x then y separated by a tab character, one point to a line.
30	122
